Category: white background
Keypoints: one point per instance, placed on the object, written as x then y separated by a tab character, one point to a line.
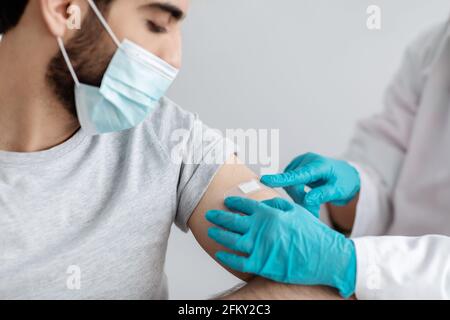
310	68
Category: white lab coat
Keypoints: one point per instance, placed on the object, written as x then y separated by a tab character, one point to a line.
402	227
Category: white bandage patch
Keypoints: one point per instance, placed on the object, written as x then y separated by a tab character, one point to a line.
250	187
246	189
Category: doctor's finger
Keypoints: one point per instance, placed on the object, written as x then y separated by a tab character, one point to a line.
321	195
230	221
297	193
279	203
233	261
229	240
244	205
305	175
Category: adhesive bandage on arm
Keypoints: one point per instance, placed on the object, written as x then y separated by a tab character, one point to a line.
247	189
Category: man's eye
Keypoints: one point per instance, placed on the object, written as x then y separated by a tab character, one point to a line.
153	27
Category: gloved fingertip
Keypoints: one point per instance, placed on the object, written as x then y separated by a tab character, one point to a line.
221	256
279	203
211	215
212	233
267	180
232	200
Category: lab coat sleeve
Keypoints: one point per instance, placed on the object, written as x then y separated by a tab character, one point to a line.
368	207
368	220
380	143
403	268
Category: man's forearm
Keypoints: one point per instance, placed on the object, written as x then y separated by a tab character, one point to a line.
262	289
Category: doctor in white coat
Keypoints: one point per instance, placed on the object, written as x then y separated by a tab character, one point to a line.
391	192
402	224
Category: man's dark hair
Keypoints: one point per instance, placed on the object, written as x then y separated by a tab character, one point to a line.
10	14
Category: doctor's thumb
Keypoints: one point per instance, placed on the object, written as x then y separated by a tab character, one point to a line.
319	196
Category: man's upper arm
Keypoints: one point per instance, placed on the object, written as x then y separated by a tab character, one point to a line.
229	176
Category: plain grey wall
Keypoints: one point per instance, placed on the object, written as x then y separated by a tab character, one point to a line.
310	68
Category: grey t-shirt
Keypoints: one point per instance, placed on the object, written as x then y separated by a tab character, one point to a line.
90	219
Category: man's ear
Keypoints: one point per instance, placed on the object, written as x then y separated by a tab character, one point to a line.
54	14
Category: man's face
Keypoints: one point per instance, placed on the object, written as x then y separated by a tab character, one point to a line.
155	25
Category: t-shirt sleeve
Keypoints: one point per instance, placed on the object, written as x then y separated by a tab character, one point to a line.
196	151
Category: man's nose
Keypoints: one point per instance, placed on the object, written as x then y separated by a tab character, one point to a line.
173	58
171	52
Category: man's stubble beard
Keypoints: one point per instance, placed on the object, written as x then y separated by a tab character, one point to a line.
90	51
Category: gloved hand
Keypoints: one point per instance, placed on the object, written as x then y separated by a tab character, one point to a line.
285	243
331	180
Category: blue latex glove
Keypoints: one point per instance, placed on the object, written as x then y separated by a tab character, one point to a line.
331	180
283	242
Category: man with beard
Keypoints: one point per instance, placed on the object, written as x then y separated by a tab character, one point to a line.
89	180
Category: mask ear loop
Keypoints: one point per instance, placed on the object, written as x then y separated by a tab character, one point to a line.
103	22
107	28
67	59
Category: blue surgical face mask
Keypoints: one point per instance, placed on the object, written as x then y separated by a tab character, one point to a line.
132	86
